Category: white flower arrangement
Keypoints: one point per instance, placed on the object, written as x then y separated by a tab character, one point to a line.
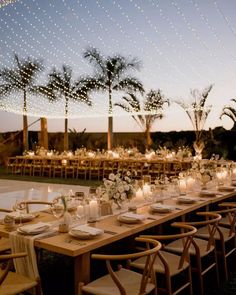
205	170
117	188
184	152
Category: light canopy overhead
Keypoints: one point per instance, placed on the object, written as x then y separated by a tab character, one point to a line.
181	44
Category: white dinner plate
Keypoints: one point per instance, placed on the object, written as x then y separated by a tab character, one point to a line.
187	200
226	188
33	232
25	217
209	194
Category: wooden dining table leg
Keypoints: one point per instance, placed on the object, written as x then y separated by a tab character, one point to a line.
81	270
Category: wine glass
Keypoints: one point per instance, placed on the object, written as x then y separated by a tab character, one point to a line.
57	209
19	207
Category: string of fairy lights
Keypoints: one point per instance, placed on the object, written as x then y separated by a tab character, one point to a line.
166	40
212	29
186	44
35	31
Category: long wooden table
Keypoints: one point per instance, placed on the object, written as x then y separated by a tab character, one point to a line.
80	249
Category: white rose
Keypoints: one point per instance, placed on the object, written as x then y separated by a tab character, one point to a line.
121	189
112	176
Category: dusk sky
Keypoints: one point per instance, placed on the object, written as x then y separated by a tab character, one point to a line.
182	44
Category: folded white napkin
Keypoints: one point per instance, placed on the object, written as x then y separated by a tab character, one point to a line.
37	227
24	243
227	188
207	192
87	229
187	199
162	206
133	215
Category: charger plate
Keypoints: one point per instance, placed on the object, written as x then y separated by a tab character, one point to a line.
187	200
226	188
24	217
205	193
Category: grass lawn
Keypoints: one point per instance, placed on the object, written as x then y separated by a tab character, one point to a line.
5	175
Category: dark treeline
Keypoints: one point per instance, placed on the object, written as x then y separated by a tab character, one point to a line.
217	141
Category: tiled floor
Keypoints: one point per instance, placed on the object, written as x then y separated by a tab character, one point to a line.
12	190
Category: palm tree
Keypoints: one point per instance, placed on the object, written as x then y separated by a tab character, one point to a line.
111	75
230	112
64	86
152	109
21	79
197	112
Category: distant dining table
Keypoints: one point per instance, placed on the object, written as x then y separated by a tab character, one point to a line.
114	230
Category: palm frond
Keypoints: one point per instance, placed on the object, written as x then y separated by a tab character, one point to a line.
94	57
129	84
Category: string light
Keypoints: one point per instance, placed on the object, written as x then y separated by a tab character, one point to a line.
211	28
35	29
225	18
166	40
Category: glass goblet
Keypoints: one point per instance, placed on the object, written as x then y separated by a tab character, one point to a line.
20	207
57	210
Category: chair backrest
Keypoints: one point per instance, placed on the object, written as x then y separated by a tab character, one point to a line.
25	205
230	214
5	210
148	272
7	258
186	234
211	221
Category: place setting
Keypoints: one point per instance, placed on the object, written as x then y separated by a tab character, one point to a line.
130	218
161	208
34	229
85	232
188	200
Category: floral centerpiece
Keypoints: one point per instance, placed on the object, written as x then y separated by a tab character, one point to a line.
183	152
117	188
205	171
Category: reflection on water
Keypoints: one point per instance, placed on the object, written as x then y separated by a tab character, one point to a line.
11	190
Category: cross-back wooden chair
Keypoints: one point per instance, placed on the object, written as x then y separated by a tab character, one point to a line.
173	272
26	205
201	252
224	237
12	283
125	281
4	242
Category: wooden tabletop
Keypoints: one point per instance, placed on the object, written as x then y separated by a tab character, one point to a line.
63	243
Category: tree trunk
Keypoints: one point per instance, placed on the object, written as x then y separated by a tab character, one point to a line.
148	138
110	124
25	125
44	133
110	133
66	141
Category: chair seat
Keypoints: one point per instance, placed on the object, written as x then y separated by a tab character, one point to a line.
171	259
177	247
105	285
204	233
15	284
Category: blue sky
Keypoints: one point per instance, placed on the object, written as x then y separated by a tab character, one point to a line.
182	44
